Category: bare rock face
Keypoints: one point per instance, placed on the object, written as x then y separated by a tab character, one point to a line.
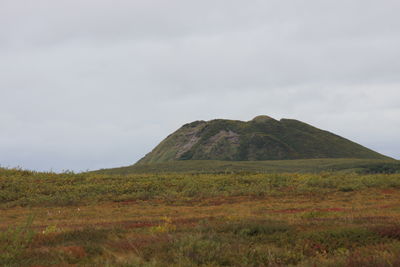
262	138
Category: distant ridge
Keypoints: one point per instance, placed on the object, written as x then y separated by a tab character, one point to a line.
262	138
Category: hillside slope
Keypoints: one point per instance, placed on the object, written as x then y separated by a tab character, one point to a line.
262	138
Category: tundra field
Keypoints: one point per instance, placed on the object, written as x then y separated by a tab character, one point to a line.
183	219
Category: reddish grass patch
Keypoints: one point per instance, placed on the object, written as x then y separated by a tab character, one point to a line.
391	231
224	200
129	224
387	206
388	191
309	210
138	242
125	224
44	238
74	251
332	209
291	210
127	202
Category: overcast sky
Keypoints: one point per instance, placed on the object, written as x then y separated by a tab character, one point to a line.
88	84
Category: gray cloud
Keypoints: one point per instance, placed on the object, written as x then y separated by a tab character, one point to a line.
91	84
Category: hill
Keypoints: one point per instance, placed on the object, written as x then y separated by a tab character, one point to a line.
262	138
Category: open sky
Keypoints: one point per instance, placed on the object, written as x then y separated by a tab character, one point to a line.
88	84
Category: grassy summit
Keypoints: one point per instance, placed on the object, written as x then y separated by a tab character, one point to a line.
262	138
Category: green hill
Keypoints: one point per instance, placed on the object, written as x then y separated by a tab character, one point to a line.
262	138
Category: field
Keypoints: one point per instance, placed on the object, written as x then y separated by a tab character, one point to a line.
266	166
183	219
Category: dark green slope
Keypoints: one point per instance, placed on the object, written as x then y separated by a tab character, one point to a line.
262	138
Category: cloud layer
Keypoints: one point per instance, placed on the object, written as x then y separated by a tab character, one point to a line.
94	84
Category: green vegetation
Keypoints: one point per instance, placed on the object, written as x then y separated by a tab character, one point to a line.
262	138
381	167
49	189
182	219
269	166
14	241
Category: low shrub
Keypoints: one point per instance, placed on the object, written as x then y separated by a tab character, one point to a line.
330	240
14	241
